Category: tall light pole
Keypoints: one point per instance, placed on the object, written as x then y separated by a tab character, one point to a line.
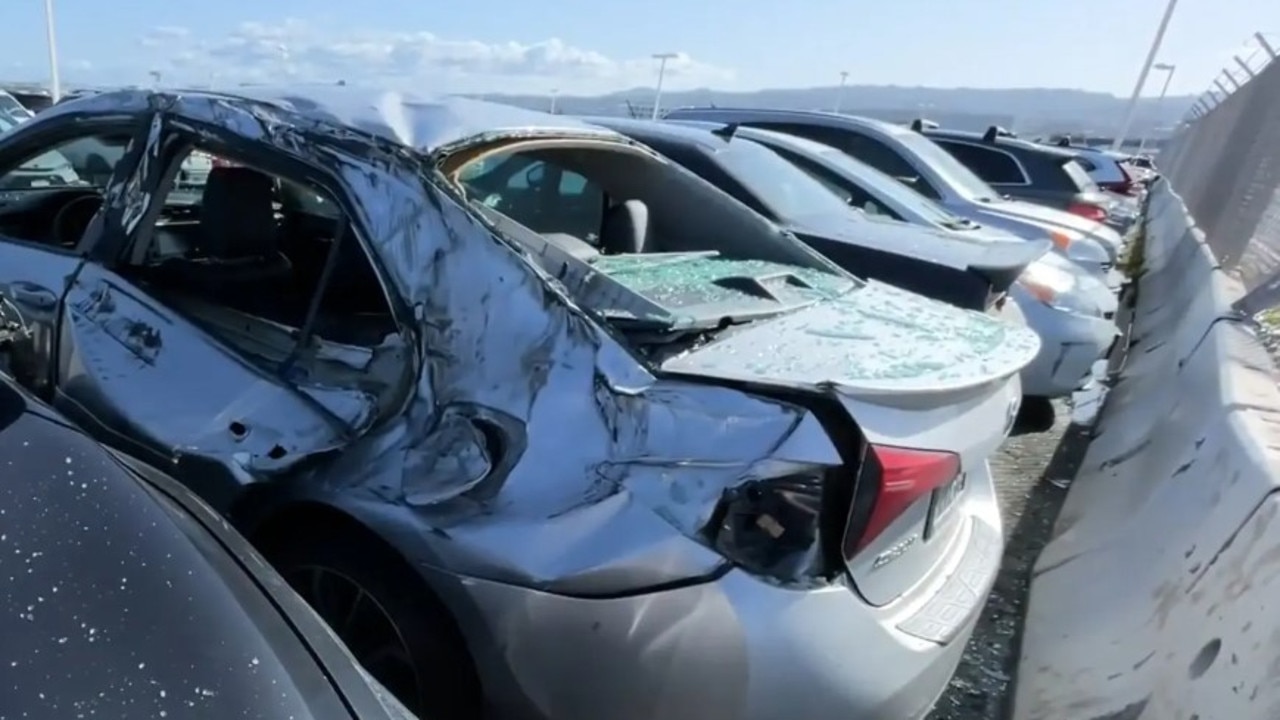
662	59
1142	76
55	81
1166	68
844	78
554	93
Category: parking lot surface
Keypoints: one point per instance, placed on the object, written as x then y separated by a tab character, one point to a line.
1032	472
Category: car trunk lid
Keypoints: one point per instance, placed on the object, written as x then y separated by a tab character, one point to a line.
899	253
922	379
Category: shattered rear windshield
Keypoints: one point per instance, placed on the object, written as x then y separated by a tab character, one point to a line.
704	287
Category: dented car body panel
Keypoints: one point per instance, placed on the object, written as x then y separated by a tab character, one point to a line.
513	448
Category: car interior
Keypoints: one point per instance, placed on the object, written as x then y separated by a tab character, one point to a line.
586	199
244	255
51	197
259	244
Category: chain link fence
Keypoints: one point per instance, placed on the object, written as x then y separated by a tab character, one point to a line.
1225	163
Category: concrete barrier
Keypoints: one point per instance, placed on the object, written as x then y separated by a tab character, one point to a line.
1158	597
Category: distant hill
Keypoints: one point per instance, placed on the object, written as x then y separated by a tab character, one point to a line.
1030	110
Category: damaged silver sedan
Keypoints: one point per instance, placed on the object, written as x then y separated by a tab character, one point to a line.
543	425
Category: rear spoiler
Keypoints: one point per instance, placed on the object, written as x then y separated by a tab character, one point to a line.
1004	261
964	272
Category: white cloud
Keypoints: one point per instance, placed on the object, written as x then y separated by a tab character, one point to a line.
258	52
163	35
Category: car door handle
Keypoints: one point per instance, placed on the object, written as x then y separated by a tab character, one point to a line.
38	298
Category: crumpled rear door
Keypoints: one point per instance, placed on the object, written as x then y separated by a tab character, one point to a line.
152	384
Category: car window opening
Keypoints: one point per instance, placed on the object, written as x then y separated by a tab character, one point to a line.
52	195
268	263
636	238
618	200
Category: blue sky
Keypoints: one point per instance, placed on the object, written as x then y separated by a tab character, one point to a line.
589	47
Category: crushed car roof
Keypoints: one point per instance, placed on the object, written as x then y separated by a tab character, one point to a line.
423	122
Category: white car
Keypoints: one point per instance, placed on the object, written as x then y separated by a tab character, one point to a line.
194	171
1105	167
1071	309
1073	312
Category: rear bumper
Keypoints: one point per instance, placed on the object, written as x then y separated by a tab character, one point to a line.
736	648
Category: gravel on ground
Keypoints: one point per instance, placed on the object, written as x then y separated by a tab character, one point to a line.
1032	473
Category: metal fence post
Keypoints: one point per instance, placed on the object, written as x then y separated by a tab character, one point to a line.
1262	40
1245	66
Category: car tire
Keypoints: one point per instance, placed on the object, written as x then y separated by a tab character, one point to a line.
446	684
1037	415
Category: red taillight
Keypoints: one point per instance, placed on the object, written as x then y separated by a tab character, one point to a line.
1087	210
906	475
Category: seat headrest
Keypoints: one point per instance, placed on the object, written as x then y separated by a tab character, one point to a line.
236	213
625	228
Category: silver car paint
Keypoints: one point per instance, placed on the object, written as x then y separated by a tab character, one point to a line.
1070	341
1022	219
557	544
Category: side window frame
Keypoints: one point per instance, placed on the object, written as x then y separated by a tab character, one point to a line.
33	138
995	152
858	196
178	139
890	162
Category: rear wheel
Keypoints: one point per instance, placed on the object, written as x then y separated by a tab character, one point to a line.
390	621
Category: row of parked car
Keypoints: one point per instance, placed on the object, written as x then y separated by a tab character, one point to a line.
547	417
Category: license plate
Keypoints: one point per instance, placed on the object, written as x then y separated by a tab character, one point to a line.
943	503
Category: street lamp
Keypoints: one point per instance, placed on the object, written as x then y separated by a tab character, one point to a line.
662	59
1142	76
1166	68
55	82
844	78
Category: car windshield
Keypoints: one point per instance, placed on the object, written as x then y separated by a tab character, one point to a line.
895	192
959	177
785	189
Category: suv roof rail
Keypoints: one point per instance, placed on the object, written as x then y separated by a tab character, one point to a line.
995	131
727	131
